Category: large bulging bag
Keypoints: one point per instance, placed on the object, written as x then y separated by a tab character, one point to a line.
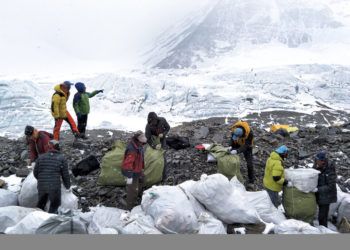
227	203
170	209
111	166
8	198
304	179
299	227
344	209
299	205
208	224
140	224
62	224
10	216
28	196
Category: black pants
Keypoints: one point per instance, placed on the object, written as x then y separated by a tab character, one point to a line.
53	196
133	190
248	155
275	199
82	122
323	215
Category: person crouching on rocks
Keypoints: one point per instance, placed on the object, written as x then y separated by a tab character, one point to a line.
49	169
38	142
132	168
158	127
274	174
81	106
326	191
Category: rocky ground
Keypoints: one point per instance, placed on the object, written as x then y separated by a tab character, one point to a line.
189	163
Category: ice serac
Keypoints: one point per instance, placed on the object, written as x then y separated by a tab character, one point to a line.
234	22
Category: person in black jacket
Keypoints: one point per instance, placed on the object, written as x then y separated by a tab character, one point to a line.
326	191
156	126
48	170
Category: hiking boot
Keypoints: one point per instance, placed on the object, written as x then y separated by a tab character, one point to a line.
83	136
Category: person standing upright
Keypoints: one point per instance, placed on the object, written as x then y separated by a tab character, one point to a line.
326	191
242	142
81	106
59	109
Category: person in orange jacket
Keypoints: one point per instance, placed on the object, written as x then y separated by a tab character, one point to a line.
59	109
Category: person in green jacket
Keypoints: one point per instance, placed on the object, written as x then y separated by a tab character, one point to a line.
81	106
274	174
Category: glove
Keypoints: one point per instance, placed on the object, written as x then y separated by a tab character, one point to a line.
233	152
229	149
32	165
161	135
315	190
289	184
128	181
285	183
100	91
158	146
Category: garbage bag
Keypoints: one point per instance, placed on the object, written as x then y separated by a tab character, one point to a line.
28	196
208	224
13	183
262	203
293	226
86	166
8	198
226	203
288	128
140	224
111	166
108	220
304	179
344	226
62	224
333	208
30	223
11	215
170	209
186	187
299	205
344	209
178	142
154	165
228	165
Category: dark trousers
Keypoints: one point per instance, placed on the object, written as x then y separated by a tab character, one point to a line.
133	190
82	122
275	199
323	215
248	156
53	196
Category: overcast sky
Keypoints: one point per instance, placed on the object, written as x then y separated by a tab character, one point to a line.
42	31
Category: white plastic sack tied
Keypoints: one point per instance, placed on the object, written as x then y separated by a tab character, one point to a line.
30	223
333	208
227	203
170	209
10	216
344	208
208	224
304	179
28	196
299	227
13	183
140	224
8	198
108	220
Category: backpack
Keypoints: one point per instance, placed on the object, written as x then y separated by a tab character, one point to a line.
178	142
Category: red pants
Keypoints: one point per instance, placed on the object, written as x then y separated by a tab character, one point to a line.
58	124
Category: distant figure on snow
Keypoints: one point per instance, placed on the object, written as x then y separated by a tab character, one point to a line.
59	109
158	127
81	106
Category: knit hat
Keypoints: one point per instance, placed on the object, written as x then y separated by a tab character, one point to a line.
28	131
321	156
68	84
282	150
80	87
237	133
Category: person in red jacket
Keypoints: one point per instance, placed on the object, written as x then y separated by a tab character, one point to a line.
38	142
132	168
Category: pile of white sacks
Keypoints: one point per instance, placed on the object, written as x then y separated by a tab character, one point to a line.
206	206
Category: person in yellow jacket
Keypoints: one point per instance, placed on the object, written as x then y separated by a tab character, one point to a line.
59	109
242	142
274	174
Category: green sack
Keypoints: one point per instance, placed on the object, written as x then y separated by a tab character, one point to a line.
111	165
154	166
299	205
228	165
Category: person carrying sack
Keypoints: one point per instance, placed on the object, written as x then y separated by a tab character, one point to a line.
242	142
59	109
326	191
49	169
274	174
81	106
132	168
